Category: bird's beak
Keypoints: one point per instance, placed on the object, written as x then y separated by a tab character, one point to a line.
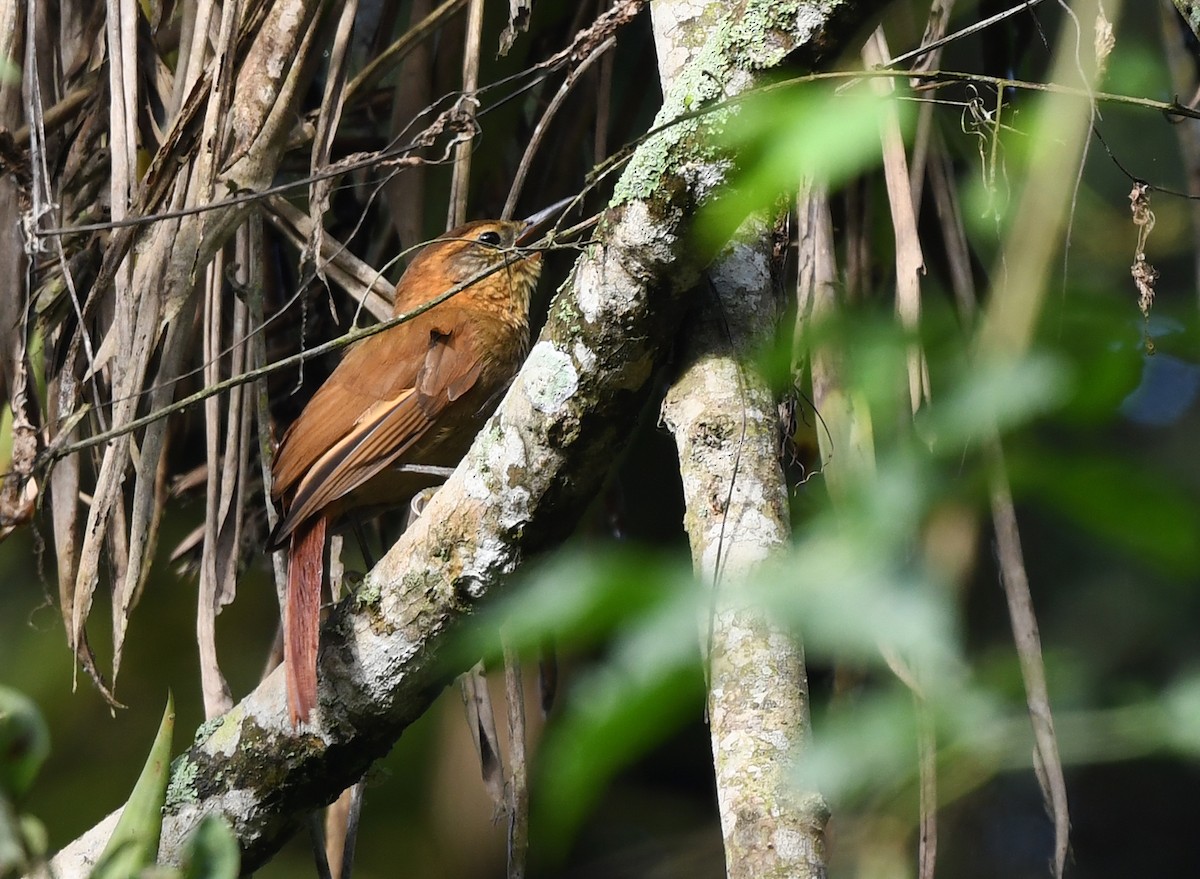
538	223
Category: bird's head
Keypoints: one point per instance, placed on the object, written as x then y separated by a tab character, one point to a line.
487	250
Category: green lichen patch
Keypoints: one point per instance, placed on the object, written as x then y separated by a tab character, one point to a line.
765	33
368	594
224	732
181	788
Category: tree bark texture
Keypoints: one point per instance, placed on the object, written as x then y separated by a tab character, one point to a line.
725	422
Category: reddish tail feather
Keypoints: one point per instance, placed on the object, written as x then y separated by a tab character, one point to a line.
301	616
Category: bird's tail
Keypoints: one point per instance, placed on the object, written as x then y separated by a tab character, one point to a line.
301	616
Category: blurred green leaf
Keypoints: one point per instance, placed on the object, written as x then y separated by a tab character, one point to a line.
13	860
1103	342
851	598
1125	503
865	749
1003	395
33	832
578	597
212	851
782	136
24	743
615	713
1181	703
871	349
649	607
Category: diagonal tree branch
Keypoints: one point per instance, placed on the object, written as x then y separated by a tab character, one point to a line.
522	487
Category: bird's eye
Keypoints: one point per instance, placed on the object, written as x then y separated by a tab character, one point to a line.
490	238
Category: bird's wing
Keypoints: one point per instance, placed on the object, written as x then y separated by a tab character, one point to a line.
448	371
366	416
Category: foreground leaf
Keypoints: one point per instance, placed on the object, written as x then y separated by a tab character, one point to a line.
134	841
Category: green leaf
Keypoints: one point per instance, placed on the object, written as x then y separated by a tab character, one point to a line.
1001	394
1126	504
24	743
625	706
13	860
134	842
853	595
577	598
212	851
789	134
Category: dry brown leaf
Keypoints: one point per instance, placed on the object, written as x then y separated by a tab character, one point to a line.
216	694
19	489
1105	42
365	285
460	183
332	103
910	264
1144	274
518	22
117	540
149	486
151	309
482	720
935	29
405	192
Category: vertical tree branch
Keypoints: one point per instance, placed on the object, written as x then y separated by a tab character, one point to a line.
724	419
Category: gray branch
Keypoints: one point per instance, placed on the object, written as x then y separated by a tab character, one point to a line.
725	422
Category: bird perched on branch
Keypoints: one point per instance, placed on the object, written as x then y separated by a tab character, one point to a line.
414	394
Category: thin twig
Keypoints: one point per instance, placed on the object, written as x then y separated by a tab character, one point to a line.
543	126
460	183
1015	580
974	28
358	792
517	789
316	839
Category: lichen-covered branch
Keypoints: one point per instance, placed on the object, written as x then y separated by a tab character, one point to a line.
725	422
724	419
522	487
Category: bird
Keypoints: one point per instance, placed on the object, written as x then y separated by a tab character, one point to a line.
413	394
